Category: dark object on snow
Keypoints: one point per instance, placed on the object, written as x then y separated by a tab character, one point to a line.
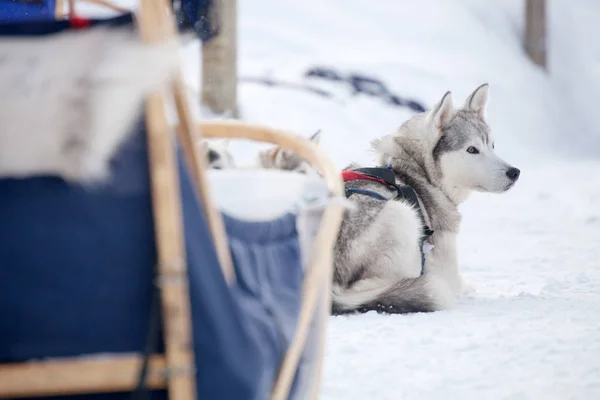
324	73
362	84
370	86
287	85
413	105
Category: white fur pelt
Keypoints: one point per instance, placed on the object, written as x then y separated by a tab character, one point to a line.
68	100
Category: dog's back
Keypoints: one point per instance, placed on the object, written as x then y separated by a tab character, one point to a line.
378	261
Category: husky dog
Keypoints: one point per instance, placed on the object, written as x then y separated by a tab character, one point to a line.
442	154
278	158
217	154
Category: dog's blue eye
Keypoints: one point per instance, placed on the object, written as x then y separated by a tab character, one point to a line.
472	150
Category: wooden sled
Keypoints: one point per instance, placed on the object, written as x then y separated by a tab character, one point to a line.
174	370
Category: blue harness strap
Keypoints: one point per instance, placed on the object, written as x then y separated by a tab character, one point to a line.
350	190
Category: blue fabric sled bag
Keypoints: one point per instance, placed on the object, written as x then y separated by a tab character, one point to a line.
27	10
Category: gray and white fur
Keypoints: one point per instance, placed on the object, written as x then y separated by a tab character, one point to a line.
443	154
279	158
217	153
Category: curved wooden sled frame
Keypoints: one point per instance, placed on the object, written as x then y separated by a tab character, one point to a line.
320	272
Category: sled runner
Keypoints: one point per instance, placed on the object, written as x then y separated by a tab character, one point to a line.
124	265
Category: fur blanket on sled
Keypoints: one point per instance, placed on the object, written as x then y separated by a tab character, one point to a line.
68	100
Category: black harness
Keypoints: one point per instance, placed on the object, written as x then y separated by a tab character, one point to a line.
386	177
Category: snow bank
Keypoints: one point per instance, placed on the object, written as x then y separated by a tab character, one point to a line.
420	49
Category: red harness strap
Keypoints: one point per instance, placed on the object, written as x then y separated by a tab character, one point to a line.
78	22
348	176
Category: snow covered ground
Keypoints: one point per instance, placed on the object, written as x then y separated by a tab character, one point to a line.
531	330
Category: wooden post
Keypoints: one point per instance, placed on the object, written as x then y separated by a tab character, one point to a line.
219	60
59	9
535	31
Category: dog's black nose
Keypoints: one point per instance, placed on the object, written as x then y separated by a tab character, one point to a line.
513	173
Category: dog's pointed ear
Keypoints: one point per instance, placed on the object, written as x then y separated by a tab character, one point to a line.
478	99
443	111
316	137
225	143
